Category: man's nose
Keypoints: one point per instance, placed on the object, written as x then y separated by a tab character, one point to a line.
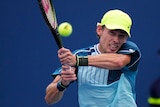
116	38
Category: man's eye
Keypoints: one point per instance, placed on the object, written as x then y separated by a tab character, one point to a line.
112	33
122	36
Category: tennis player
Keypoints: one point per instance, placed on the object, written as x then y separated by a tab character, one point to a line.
105	72
154	94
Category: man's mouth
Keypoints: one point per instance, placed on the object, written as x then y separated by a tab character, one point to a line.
113	47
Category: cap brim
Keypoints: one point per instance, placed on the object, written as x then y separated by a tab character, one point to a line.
112	27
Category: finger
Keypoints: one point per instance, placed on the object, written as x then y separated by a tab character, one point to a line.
63	50
67	72
66	67
68	77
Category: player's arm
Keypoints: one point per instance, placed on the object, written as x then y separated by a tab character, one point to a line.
55	90
53	95
106	60
109	60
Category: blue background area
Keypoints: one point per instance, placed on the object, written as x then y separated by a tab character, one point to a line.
28	53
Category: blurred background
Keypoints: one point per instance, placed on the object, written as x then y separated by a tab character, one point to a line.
28	53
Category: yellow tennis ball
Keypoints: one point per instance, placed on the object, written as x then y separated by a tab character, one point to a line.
65	29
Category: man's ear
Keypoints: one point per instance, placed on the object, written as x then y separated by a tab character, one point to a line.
99	30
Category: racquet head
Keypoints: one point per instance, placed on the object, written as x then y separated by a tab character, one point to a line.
49	15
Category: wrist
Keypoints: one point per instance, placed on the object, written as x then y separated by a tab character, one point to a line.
65	83
81	60
60	86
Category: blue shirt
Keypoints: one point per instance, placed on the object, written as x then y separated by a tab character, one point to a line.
99	87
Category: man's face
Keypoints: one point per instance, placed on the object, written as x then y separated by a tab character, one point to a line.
110	40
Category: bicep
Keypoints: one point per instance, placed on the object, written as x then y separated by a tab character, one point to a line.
118	61
125	60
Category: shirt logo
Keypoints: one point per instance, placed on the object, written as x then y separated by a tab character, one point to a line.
131	50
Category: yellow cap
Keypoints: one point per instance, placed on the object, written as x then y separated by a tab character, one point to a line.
117	19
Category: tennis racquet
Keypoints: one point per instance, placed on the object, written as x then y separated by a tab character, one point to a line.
49	15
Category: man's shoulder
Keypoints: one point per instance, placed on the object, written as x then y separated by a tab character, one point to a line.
86	50
130	45
128	48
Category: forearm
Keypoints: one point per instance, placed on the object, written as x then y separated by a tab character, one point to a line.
112	61
109	61
53	95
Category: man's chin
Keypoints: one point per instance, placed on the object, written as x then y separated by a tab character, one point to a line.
112	51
